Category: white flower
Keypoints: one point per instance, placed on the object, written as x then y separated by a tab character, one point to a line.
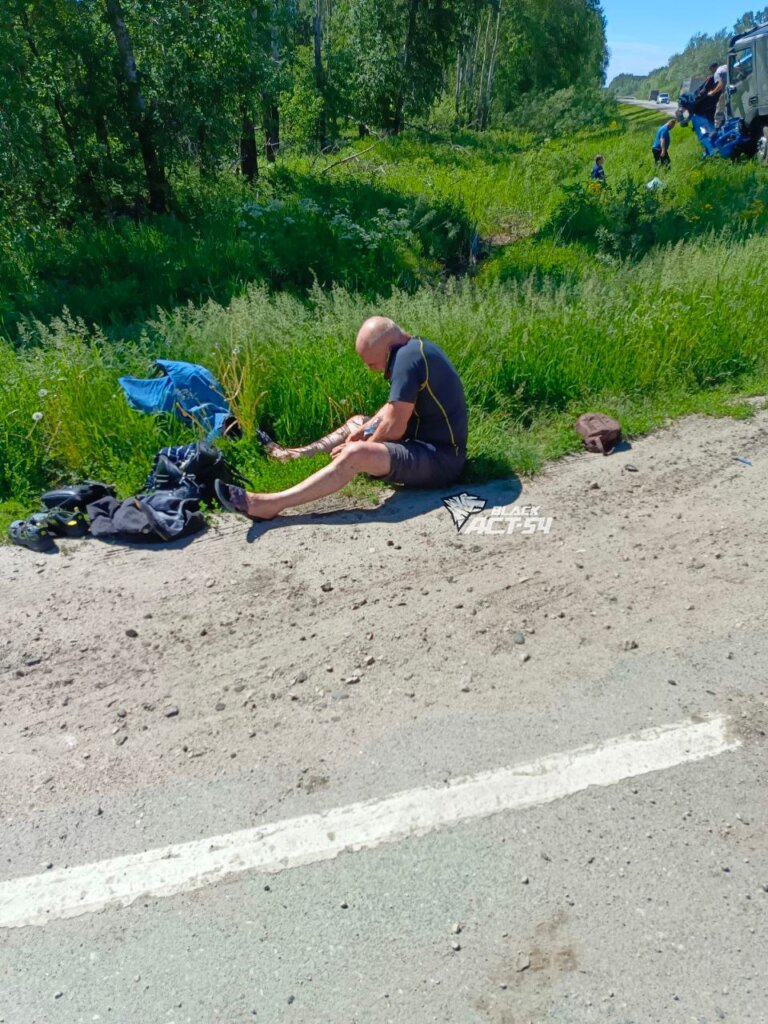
37	416
42	393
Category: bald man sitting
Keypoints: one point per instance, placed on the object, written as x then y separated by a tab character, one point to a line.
417	438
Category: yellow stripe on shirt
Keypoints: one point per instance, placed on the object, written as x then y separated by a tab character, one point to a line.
426	385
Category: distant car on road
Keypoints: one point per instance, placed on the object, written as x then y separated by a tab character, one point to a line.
663	97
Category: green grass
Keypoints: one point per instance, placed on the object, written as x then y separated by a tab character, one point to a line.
644	305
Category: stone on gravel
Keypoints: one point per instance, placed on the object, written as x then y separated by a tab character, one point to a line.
132	633
171	711
518	638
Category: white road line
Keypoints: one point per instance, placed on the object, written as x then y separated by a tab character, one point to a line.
69	892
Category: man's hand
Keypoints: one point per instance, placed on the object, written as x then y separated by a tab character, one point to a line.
356	435
340	447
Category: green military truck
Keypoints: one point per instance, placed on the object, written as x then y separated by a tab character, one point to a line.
748	85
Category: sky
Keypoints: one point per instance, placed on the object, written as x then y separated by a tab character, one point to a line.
643	34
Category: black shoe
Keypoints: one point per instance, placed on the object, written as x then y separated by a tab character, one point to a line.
78	496
30	535
61	522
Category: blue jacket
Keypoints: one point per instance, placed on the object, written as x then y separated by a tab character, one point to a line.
187	390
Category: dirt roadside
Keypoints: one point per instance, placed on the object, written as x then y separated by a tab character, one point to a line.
122	668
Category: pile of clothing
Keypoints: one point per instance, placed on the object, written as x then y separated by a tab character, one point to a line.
181	480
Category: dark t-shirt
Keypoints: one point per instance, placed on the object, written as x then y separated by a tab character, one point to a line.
422	373
707	105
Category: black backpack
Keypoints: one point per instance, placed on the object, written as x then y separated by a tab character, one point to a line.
191	471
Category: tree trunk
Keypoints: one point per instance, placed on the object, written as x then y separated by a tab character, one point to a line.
249	161
271	110
271	131
459	81
481	80
399	118
491	73
317	32
157	183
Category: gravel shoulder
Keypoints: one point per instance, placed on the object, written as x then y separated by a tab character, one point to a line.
275	657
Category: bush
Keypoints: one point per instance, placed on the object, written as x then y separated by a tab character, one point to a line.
300	230
540	261
564	112
618	221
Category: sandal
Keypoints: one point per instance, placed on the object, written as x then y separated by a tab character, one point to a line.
30	535
230	496
61	522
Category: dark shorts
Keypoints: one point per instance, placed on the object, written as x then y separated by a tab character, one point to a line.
418	464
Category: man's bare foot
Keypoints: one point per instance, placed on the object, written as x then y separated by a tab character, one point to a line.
276	451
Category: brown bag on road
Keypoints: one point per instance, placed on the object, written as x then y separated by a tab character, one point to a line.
601	433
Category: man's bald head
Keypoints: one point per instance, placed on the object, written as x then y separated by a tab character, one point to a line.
376	338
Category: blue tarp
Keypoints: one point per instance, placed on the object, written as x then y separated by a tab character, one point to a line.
187	390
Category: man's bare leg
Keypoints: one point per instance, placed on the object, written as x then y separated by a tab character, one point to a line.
324	445
370	457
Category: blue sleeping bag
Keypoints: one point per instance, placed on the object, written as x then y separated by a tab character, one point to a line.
187	390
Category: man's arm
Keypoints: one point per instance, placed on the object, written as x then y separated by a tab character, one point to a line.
393	420
389	424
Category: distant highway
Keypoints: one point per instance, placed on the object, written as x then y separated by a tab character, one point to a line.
649	104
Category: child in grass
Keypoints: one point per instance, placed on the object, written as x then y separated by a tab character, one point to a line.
598	171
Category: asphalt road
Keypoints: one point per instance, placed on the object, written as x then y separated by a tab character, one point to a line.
669	108
641	902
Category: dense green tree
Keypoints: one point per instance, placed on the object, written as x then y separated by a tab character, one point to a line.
103	103
527	46
398	54
751	19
